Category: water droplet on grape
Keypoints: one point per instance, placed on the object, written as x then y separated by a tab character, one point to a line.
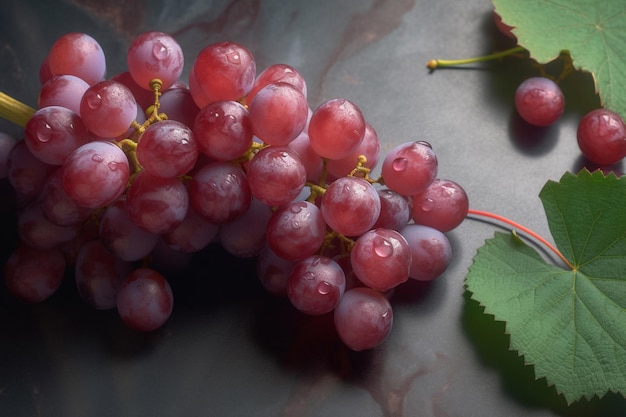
96	157
428	204
44	132
94	100
234	58
297	208
382	247
113	166
324	288
308	275
213	117
159	50
399	164
295	225
386	315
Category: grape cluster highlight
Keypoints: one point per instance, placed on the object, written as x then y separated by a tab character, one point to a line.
112	170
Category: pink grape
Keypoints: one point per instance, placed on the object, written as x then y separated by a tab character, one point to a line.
315	285
278	73
431	251
192	234
38	232
350	206
363	319
381	259
167	149
145	300
296	230
57	206
77	54
336	128
223	130
25	172
369	147
34	275
108	108
443	205
96	174
156	204
276	175
155	55
63	90
53	132
178	104
245	236
121	236
395	211
224	71
99	274
219	192
601	137
410	167
278	113
539	101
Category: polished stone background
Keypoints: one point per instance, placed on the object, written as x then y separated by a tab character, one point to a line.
230	349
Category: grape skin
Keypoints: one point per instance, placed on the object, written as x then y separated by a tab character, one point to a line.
539	101
601	137
316	285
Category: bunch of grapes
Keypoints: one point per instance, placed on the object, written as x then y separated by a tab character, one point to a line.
113	172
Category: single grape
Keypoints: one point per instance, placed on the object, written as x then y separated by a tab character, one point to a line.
296	230
278	73
381	259
315	285
155	55
63	90
77	54
99	274
278	113
178	104
145	300
539	101
273	271
96	174
245	236
53	132
25	172
108	108
192	234
443	205
350	206
157	204
223	71
431	251
363	319
336	128
167	149
410	167
34	275
57	206
395	211
601	137
223	130
38	232
121	236
369	147
219	192
276	175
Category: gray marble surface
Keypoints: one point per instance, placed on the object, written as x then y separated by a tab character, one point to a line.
230	349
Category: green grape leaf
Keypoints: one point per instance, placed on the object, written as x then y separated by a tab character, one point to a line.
593	32
569	324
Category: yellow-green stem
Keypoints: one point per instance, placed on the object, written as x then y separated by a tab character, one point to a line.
15	111
440	63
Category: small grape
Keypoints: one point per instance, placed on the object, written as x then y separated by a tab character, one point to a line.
336	128
443	205
108	108
431	251
77	54
539	101
315	285
410	167
155	55
601	137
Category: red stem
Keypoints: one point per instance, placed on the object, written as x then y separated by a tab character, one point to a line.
523	229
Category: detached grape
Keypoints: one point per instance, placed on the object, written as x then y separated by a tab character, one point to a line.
602	137
539	101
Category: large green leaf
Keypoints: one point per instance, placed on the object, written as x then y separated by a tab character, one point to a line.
592	31
569	324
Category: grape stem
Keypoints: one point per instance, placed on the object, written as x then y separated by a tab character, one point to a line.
441	63
14	110
523	229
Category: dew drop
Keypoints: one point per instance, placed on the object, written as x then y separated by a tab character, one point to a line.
44	132
324	288
113	166
297	208
96	157
308	275
386	314
399	164
159	50
295	225
382	247
234	58
94	100
428	204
